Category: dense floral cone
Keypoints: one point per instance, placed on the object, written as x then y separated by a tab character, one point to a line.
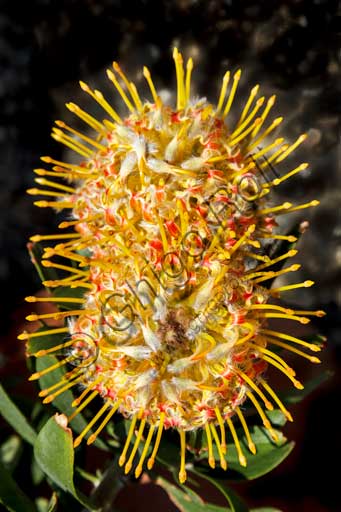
171	228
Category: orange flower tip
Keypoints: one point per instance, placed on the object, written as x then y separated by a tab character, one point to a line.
273	435
260	102
291	371
307	284
46	263
75	402
303	137
223	448
48	283
72	107
23	336
269	406
237	74
31	299
314	359
34	376
298	384
288	416
41	204
272	100
32	318
242	460
315	202
211	462
127	468
77	441
253	448
91	439
287	205
48	399
138	471
278	121
35	238
84	86
223	464
32	191
43	393
40	353
121	460
182	476
304	320
46	159
146	72
150	463
320	313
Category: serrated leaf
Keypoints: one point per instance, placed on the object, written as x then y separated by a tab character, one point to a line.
15	418
53	450
187	500
11	496
63	401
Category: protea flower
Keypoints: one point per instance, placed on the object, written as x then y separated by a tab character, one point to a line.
172	223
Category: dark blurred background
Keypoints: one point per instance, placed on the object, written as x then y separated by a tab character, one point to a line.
291	49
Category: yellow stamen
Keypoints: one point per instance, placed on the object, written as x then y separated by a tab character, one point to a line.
41	192
112	411
211	460
221	452
136	96
122	458
59	314
276	399
253	94
261	413
236	78
28	335
245	133
288	238
273	156
75	146
305	284
151	459
223	91
250	443
241	127
281	361
84	116
59	205
272	275
43	181
99	98
50	398
73	167
288	254
291	148
302	320
263	151
271	306
303	206
87	139
59	236
74	374
295	382
87	390
318	313
241	456
243	238
254	386
128	85
284	206
179	69
278	181
281	335
273	125
50	264
313	359
182	472
123	95
139	467
83	405
37	375
222	429
128	465
45	352
78	439
189	68
265	114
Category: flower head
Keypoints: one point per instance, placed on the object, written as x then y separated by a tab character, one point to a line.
171	224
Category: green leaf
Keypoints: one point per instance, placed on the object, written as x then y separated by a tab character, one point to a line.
53	450
268	456
294	396
276	417
15	418
187	500
36	251
234	501
63	401
11	496
10	452
67	291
